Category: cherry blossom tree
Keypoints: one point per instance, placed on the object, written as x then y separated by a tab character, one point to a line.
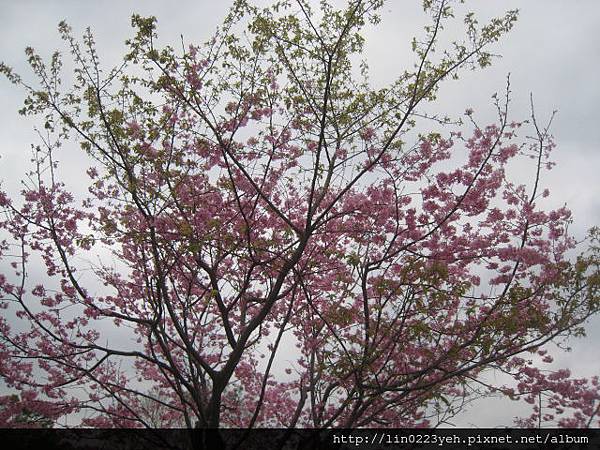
268	240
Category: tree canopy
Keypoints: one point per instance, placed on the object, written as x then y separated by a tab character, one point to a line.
266	239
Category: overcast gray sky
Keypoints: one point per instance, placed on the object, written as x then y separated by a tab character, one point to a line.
553	52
